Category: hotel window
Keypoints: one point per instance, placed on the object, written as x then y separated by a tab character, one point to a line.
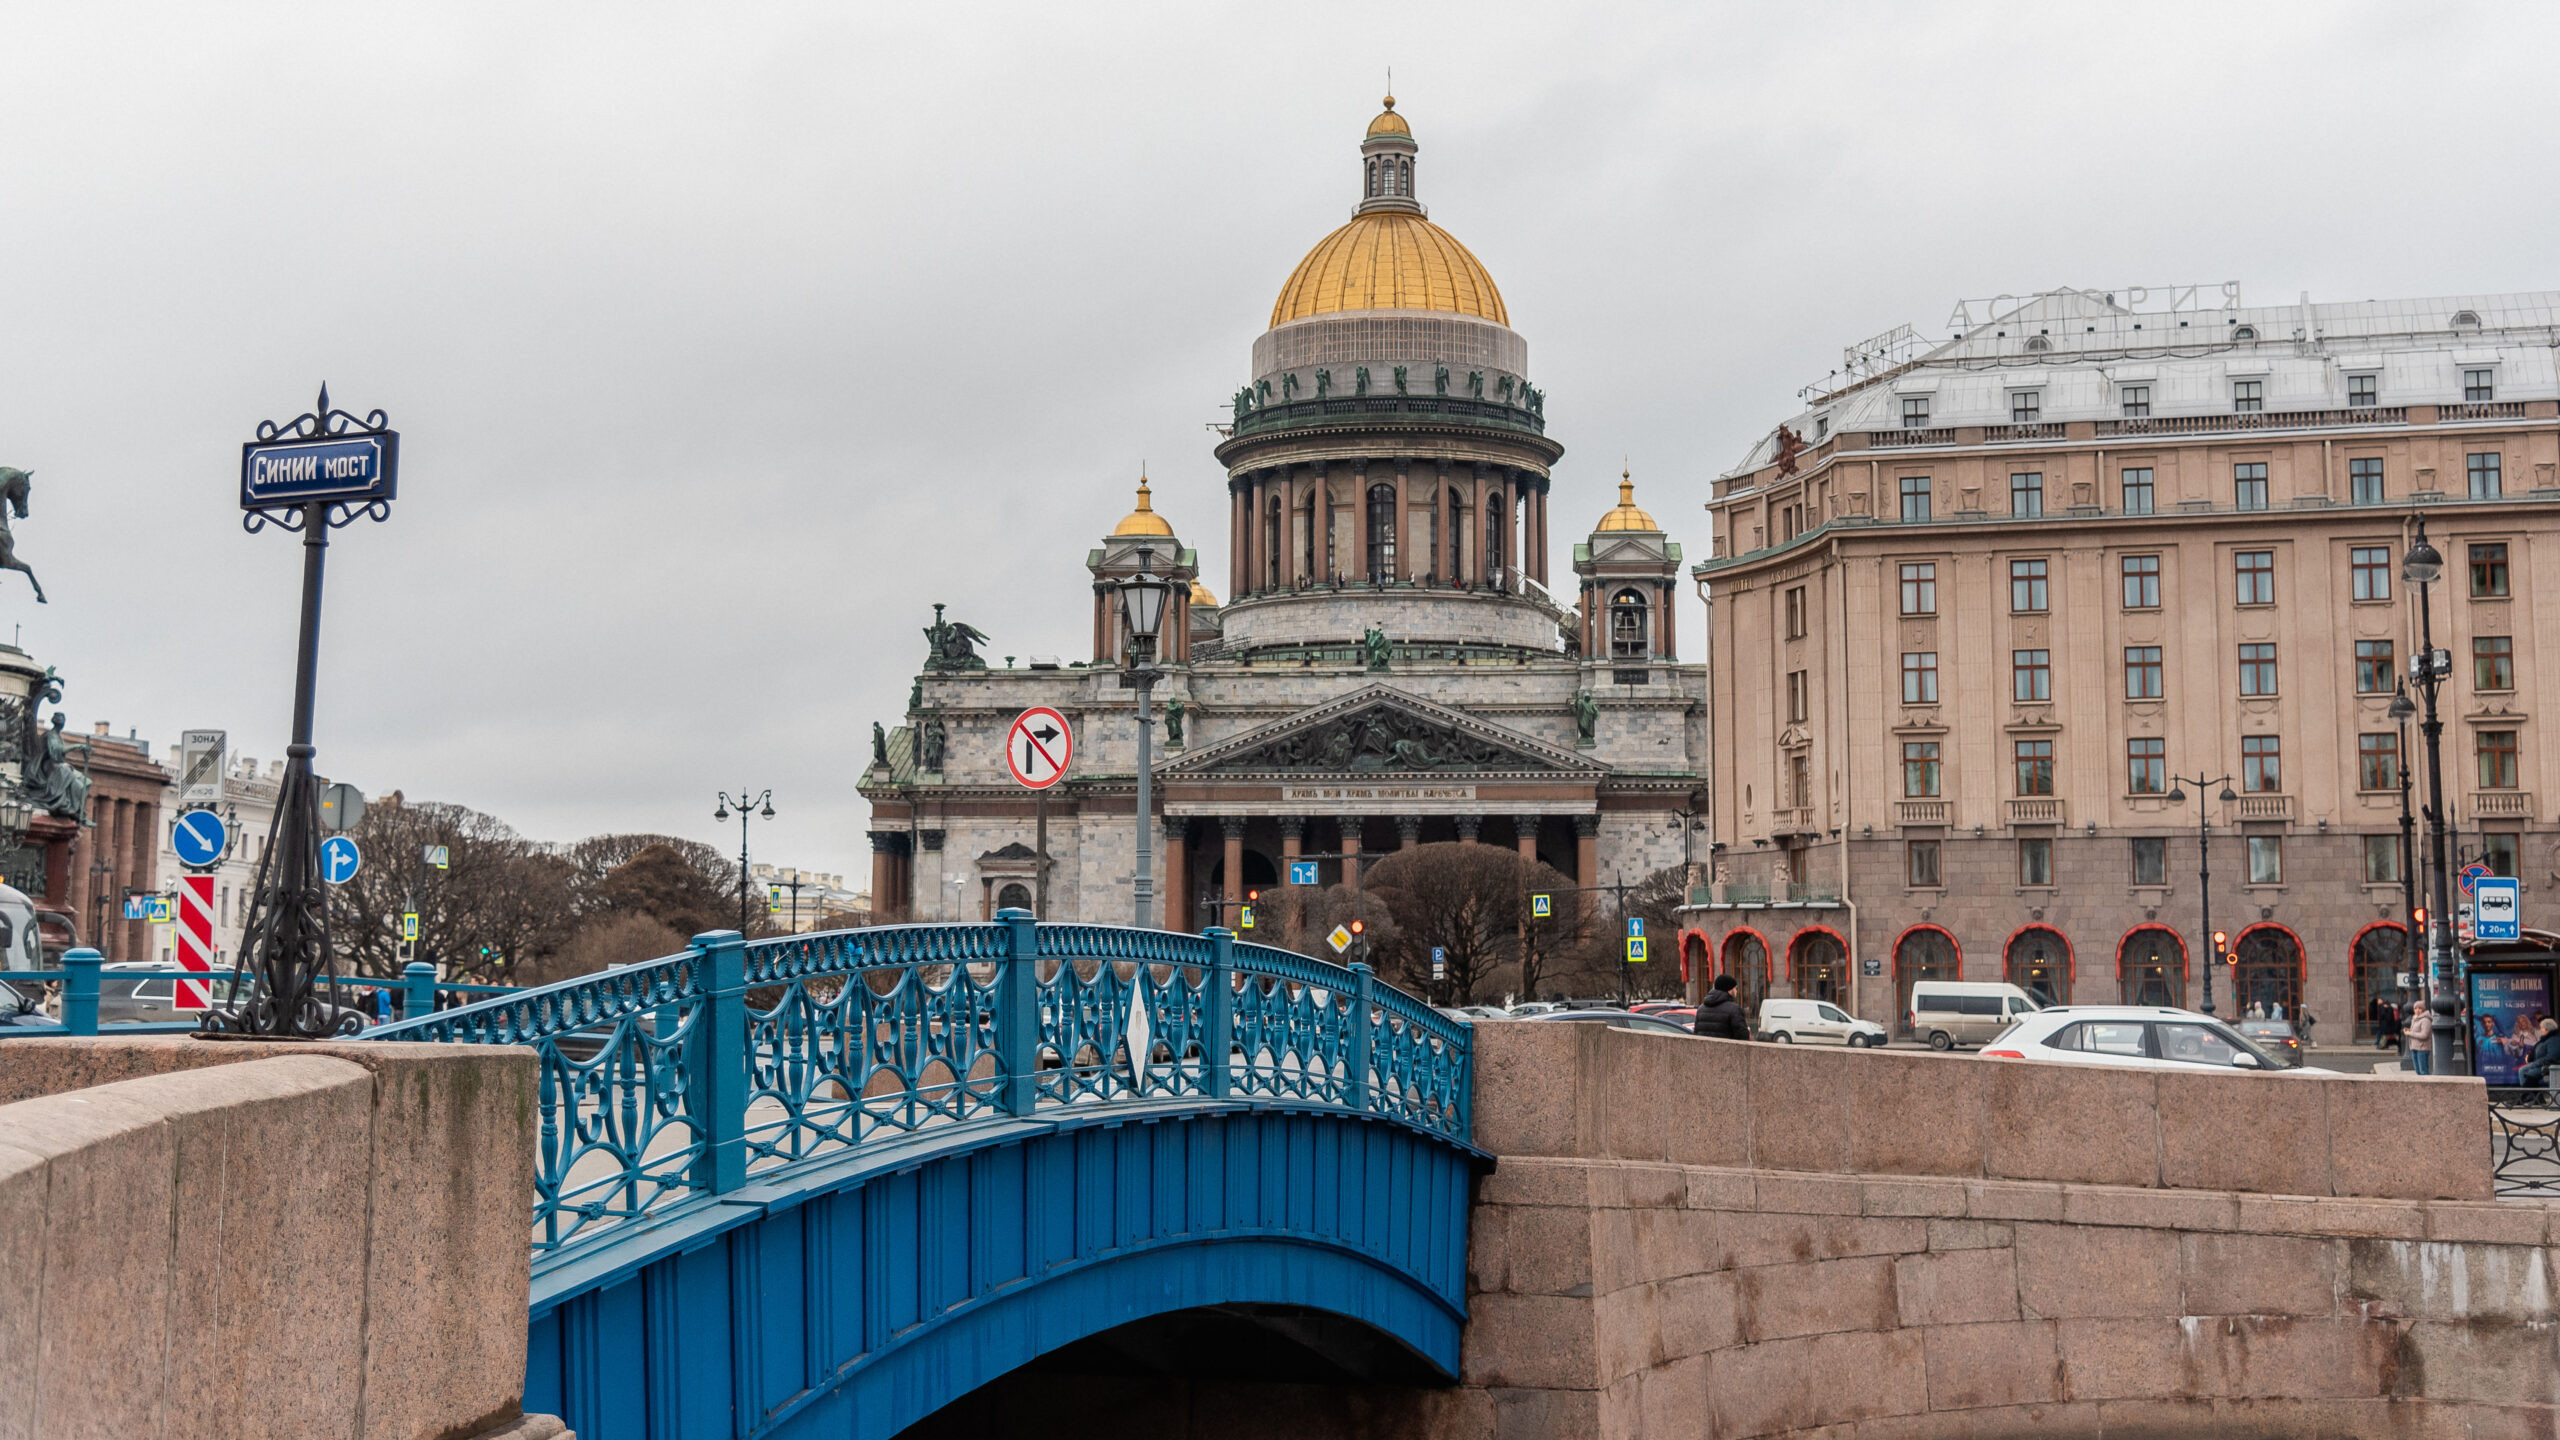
2035	860
1920	589
2025	406
2249	487
1915	412
1919	677
2142	672
1922	858
2031	674
2137	492
2136	400
2142	582
2488	572
2261	765
1797	700
1915	497
2150	860
2493	662
2498	852
1800	786
2026	494
2035	767
2497	759
2377	761
2253	575
2381	859
2479	387
2483	470
2364	481
2266	859
2363	391
2369	572
2248	397
1795	612
2026	586
2257	669
2146	766
1920	768
2373	667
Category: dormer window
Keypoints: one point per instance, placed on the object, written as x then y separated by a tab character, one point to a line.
2363	391
1915	412
2245	332
2466	319
1821	427
2479	387
2136	400
2248	397
2026	407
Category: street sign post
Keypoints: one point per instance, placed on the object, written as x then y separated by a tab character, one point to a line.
341	806
409	926
1439	962
1039	747
2498	905
199	838
351	468
1635	949
159	910
201	759
2473	874
1542	906
339	860
195	935
1302	872
438	856
1340	939
1244	917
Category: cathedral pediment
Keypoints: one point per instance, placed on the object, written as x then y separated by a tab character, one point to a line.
1382	731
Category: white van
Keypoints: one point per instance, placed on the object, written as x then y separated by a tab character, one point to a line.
1948	1013
1816	1022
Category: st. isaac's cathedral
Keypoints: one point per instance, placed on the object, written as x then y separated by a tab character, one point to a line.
1392	665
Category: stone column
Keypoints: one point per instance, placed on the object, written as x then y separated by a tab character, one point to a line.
1586	849
1527	825
1177	877
1663	638
146	835
1472	546
926	874
1404	522
1408	831
1467	825
1320	522
1358	565
1233	826
1537	557
884	875
1350	826
1447	543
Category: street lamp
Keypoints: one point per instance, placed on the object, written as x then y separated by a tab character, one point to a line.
1143	597
2427	671
2204	868
745	807
2401	711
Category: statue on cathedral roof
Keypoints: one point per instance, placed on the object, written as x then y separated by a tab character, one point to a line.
952	645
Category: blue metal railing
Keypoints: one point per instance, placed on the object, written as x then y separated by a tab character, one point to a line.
82	971
670	1081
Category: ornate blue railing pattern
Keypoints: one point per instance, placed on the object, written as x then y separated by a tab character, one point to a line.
674	1080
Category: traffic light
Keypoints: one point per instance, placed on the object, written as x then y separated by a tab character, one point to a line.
2222	947
1253	897
1357	927
2421	914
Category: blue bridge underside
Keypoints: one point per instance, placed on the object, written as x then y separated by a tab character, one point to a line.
855	1300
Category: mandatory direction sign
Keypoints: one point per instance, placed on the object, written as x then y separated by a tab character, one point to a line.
339	860
1302	872
275	473
199	838
2497	904
1038	747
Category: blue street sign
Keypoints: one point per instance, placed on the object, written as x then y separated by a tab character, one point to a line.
1635	950
1302	872
1542	906
1439	962
339	860
1635	927
2497	908
199	838
293	472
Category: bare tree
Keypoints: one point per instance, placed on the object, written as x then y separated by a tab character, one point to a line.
498	903
1464	901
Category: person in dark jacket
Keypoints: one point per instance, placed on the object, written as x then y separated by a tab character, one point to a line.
1720	1015
2546	1052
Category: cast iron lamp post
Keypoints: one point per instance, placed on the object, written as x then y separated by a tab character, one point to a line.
2427	671
744	807
1143	597
2400	712
2204	867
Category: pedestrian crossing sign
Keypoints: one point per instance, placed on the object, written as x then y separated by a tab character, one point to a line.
1542	906
1244	919
1635	949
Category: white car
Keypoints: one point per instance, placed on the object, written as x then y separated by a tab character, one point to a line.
2142	1036
1817	1022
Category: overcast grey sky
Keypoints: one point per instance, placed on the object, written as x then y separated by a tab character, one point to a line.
725	339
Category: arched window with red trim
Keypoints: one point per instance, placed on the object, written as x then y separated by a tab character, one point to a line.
1923	952
2267	980
2151	967
2038	960
2375	960
1818	963
1746	959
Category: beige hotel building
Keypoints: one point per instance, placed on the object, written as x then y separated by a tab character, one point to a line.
1976	607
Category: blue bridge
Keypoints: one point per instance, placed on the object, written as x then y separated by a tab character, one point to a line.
825	1185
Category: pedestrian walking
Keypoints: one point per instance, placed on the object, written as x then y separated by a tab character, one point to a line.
2304	1021
2419	1028
2386	1024
1720	1015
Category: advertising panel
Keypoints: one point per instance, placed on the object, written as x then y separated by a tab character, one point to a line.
2506	1011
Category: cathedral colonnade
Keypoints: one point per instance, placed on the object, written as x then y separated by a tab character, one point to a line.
1433	521
1212	861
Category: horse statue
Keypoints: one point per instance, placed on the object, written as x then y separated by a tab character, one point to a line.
14	484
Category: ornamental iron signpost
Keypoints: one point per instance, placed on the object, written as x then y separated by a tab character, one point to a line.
320	471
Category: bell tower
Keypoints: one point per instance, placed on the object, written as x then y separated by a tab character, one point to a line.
1630	573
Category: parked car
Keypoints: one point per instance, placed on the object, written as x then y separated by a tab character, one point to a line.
1657	1007
1527	1008
1948	1013
1817	1022
2276	1038
2142	1036
1470	1014
1614	1019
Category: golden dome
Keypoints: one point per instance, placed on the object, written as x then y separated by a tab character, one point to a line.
1389	122
1201	599
1389	260
1627	516
1144	520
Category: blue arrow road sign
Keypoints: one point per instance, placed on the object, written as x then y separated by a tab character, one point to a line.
1302	872
2497	905
199	838
293	472
1635	927
339	859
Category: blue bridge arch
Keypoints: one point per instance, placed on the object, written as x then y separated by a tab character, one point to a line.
825	1185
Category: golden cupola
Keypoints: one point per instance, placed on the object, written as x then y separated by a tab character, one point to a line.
1144	520
1390	256
1627	516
